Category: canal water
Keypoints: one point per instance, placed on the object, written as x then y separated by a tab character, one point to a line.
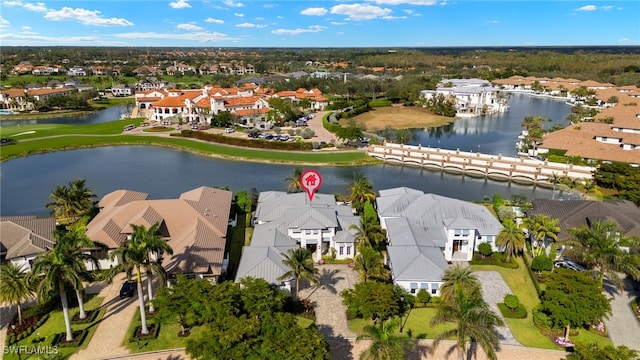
26	183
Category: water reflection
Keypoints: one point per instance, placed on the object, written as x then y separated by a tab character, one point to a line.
96	117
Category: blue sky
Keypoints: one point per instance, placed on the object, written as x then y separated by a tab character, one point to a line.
279	23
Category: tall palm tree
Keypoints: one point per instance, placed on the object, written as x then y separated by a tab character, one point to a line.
511	238
555	179
293	181
386	344
601	249
474	320
542	227
61	204
74	242
300	264
14	286
71	202
134	255
82	196
56	270
369	263
458	278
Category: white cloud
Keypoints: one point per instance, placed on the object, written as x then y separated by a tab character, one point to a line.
215	21
203	36
408	12
360	11
180	4
26	28
410	2
238	14
37	7
628	41
317	11
37	39
389	17
259	18
310	29
86	17
493	21
268	6
231	3
189	27
3	21
606	7
338	23
250	25
587	8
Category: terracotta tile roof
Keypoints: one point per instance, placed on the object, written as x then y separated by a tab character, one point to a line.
251	112
579	140
205	102
38	92
241	101
195	225
12	93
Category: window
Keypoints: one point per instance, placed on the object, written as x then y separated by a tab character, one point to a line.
413	287
296	231
424	286
348	250
465	232
434	288
307	232
341	250
457	232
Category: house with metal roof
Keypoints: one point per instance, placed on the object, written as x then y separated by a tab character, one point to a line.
426	232
22	238
284	221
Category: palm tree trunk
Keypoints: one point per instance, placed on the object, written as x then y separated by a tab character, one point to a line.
143	316
297	286
65	311
566	337
19	313
460	352
81	304
150	292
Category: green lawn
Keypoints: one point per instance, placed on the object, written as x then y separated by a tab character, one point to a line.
167	338
55	324
67	137
235	242
523	329
417	324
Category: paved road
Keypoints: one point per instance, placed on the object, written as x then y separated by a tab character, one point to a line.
493	291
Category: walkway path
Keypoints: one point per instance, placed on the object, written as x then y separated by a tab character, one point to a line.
331	317
493	291
109	336
622	327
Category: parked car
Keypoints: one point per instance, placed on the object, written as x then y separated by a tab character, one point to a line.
228	130
569	264
128	289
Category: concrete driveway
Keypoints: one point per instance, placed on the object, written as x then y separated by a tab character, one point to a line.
623	327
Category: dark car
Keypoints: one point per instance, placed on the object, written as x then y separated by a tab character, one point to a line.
127	289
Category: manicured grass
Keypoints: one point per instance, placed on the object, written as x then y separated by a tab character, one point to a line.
55	324
418	324
167	338
42	138
235	242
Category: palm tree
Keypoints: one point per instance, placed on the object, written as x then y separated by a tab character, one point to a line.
474	320
293	181
70	203
511	238
82	196
58	269
74	241
14	286
386	343
555	179
370	264
458	278
541	227
155	267
369	235
601	249
62	207
301	266
360	190
134	254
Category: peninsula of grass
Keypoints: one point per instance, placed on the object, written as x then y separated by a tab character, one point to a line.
43	138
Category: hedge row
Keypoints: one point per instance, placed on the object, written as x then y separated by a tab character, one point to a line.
379	103
533	277
154	330
244	142
330	123
496	258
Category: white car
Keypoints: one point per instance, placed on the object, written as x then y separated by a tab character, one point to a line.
228	130
568	264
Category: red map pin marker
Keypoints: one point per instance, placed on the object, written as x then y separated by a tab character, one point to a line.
310	181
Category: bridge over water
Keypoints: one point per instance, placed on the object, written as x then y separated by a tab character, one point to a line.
517	169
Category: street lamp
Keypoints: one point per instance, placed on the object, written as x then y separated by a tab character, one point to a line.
403	323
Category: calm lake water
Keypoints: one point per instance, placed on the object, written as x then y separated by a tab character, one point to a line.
26	183
96	117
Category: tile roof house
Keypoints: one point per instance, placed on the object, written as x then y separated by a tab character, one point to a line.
575	213
22	238
426	231
194	225
285	221
473	97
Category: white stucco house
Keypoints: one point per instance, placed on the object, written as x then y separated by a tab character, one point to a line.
285	221
427	232
473	97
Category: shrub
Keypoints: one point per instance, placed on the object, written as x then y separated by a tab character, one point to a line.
520	313
379	103
540	319
541	263
512	302
485	249
251	143
423	297
277	130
